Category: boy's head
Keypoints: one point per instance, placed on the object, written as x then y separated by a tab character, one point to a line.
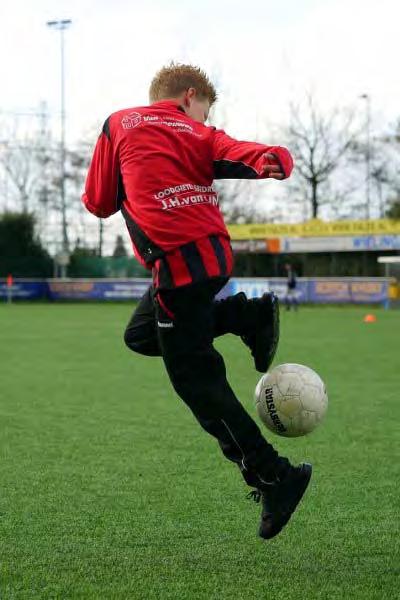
188	85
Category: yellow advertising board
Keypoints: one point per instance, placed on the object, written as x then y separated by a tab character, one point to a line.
313	228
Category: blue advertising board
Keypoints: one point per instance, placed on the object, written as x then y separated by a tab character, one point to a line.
118	289
354	291
25	289
75	289
323	290
254	288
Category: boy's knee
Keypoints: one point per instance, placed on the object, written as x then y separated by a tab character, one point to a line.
137	340
132	340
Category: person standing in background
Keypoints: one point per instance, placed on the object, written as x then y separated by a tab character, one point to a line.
291	292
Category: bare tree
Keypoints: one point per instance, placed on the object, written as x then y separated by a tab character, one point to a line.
26	158
30	181
386	174
32	171
238	198
319	143
381	178
393	211
237	202
23	164
78	163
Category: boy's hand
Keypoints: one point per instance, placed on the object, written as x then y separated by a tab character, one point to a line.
272	167
278	163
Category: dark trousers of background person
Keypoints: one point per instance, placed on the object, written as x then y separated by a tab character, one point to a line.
291	298
180	325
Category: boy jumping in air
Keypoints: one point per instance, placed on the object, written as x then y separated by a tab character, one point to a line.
156	164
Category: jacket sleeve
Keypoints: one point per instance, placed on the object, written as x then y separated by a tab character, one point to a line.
104	189
245	160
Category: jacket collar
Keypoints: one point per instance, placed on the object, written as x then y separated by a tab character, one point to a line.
169	104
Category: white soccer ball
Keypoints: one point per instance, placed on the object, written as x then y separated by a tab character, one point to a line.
291	400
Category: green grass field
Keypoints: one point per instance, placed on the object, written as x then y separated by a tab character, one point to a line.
110	490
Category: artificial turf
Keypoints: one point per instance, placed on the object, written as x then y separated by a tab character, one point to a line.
110	490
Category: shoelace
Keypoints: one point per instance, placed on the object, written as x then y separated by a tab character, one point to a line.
254	495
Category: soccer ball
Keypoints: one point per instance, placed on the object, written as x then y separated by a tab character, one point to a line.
291	400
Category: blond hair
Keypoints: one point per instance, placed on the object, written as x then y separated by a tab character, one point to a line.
175	78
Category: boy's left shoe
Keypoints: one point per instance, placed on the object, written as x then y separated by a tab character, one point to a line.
280	499
262	335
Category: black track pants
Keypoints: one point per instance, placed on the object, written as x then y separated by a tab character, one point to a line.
185	321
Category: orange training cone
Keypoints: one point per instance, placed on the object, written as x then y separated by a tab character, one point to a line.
369	318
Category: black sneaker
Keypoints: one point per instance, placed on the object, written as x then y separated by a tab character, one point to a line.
279	500
262	336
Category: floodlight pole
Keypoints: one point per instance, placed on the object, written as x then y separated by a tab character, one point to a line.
61	25
367	99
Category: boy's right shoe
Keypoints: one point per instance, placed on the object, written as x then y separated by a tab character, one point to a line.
280	499
262	331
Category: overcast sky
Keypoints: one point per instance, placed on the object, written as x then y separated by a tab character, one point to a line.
262	54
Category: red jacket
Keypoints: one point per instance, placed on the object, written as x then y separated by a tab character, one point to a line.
157	165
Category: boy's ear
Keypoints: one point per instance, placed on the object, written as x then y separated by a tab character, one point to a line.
186	98
190	94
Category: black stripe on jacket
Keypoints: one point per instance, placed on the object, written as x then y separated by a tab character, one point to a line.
147	249
230	169
194	262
